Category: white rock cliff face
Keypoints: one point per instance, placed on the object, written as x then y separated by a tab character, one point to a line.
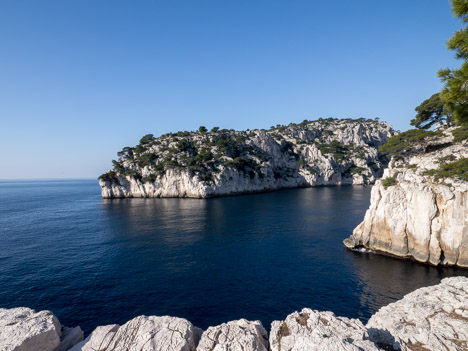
200	165
418	216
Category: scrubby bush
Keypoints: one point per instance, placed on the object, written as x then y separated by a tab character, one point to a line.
108	176
457	169
390	181
460	134
146	139
146	159
409	141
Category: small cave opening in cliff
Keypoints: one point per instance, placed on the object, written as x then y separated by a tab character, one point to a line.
442	256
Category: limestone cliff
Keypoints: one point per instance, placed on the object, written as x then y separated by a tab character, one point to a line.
223	162
419	208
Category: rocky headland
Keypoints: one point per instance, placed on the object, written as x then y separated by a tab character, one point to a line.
430	318
419	209
225	162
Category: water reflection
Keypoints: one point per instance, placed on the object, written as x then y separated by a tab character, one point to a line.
386	279
257	256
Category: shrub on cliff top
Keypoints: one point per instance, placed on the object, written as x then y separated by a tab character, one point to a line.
409	141
457	169
460	134
108	176
390	181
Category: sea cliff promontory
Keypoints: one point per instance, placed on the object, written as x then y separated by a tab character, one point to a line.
221	162
433	318
419	209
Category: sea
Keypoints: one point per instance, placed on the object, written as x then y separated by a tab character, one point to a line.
95	261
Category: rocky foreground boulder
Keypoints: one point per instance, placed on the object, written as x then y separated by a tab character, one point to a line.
225	162
433	318
144	333
310	330
419	209
240	335
23	329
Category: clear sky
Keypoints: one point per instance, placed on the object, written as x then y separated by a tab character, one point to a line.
82	79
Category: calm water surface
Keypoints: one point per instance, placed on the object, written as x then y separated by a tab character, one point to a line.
95	262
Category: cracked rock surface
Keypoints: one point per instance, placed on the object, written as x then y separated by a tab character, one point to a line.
144	333
430	318
311	330
240	335
24	329
418	216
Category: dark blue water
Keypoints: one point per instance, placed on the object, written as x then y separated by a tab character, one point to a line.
94	262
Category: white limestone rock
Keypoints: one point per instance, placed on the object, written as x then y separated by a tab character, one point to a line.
418	217
144	333
311	330
430	318
240	335
23	329
69	338
287	157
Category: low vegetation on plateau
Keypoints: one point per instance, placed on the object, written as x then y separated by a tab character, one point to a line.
285	149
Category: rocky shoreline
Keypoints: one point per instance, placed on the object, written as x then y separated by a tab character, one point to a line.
430	318
413	214
227	162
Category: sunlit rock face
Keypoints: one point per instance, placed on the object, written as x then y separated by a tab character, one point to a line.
226	162
147	333
240	335
310	330
417	215
24	329
431	318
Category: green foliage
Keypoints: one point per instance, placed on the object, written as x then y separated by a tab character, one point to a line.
183	145
208	177
408	141
146	159
460	134
214	129
334	148
117	166
204	155
139	149
430	112
183	134
455	91
108	176
390	181
357	170
202	129
457	169
146	139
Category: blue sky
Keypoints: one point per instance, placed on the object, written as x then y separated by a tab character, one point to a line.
82	79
